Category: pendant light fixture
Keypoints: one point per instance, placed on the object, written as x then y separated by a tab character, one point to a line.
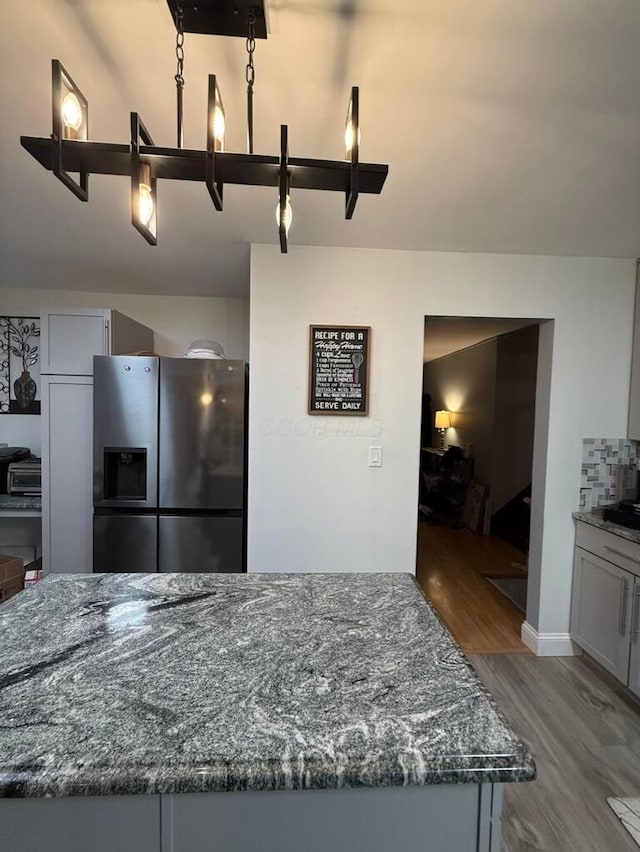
70	111
143	185
284	212
69	150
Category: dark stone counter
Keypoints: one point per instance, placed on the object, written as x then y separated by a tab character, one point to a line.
595	519
17	502
177	683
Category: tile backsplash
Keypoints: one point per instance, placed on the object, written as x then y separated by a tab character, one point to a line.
608	471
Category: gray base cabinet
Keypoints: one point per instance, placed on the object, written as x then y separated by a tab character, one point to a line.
633	426
634	659
605	606
442	818
81	824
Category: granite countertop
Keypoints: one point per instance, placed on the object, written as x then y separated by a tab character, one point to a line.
596	520
177	683
19	502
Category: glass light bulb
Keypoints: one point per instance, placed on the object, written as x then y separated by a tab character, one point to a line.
287	218
145	204
71	111
349	138
219	126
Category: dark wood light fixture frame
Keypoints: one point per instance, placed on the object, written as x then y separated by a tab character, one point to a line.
112	158
213	181
61	80
283	187
353	119
140	132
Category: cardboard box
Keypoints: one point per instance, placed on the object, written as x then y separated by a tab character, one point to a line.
11	577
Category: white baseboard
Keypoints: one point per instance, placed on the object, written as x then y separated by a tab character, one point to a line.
548	644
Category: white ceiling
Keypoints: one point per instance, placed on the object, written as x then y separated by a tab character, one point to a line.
444	335
508	126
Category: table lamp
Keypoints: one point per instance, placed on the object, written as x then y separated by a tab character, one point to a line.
442	423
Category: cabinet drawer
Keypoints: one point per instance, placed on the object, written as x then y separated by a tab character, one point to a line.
609	546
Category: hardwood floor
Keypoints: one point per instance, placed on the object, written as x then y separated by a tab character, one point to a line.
452	566
585	738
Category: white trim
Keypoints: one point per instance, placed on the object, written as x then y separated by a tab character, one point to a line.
548	644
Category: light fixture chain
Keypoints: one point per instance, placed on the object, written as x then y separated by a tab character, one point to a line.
180	45
250	72
179	76
250	76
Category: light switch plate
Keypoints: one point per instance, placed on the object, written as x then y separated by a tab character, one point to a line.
375	456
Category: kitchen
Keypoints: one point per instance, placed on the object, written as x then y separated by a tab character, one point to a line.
108	614
374	511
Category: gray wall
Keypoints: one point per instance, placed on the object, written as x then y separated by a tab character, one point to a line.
316	505
515	406
491	390
464	383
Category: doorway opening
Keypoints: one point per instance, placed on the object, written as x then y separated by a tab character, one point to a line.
480	382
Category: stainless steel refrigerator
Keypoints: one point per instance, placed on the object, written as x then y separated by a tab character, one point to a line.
169	490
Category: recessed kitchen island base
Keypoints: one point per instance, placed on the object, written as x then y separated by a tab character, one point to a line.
440	817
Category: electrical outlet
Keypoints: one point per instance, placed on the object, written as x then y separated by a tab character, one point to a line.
375	456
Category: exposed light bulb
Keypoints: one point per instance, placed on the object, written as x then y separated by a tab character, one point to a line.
287	217
219	127
206	398
349	138
145	204
71	112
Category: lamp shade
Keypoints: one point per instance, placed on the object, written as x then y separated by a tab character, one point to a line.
443	419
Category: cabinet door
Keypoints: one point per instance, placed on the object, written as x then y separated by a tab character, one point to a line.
67	473
70	338
68	823
633	427
634	661
600	611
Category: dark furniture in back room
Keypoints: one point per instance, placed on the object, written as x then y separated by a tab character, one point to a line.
445	477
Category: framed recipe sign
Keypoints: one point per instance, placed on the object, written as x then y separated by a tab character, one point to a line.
339	369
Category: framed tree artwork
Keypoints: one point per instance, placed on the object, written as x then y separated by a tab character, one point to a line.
19	365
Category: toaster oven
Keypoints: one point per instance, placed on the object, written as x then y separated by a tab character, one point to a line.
25	477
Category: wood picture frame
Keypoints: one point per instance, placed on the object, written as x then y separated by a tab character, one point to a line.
339	367
474	507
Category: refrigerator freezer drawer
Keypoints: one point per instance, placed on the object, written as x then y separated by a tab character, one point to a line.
125	543
206	545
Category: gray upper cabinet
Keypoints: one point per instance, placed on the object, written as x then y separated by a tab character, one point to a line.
633	430
70	337
605	603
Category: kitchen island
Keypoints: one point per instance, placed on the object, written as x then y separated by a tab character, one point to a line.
279	712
